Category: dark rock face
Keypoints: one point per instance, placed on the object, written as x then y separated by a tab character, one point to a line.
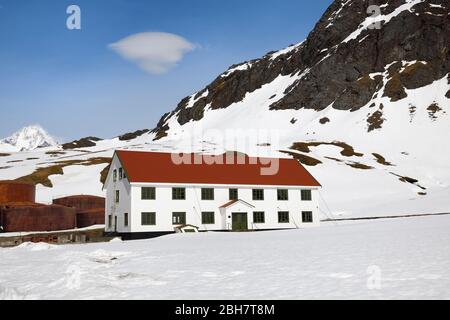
82	143
132	135
324	120
336	67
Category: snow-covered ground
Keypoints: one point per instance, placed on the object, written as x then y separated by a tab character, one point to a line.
406	258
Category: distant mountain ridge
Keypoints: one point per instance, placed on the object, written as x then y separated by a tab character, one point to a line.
27	139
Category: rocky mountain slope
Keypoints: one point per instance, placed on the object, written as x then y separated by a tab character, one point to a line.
345	63
365	109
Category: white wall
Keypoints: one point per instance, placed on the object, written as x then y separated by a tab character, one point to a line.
124	206
164	206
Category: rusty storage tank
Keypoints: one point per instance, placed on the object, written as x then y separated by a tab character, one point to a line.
13	191
36	217
82	202
91	217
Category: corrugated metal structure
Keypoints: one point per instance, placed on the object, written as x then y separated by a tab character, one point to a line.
90	218
12	191
20	213
90	209
81	202
35	217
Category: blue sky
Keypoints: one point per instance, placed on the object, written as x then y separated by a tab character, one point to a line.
74	84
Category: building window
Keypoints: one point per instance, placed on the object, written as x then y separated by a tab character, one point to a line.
148	193
178	193
148	218
125	219
115	175
306	195
283	217
208	218
117	196
307	216
258	194
207	194
179	218
259	217
109	221
283	195
120	173
234	194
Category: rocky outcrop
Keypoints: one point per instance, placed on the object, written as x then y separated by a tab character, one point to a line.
343	63
82	143
132	135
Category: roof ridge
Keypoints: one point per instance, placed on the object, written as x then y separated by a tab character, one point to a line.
162	167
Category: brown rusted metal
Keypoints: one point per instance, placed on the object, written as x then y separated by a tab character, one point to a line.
37	218
90	209
82	202
12	191
90	218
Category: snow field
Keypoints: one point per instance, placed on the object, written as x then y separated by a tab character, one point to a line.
378	259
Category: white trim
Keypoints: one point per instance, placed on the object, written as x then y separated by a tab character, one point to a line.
229	186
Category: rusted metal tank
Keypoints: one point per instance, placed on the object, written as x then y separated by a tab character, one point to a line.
82	202
35	217
13	191
90	218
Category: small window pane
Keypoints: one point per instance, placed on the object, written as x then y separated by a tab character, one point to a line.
125	219
307	216
283	217
148	193
179	218
283	195
148	218
234	194
178	193
120	173
259	217
306	195
258	194
117	196
208	218
115	175
207	194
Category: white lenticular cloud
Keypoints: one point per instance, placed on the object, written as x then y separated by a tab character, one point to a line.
154	52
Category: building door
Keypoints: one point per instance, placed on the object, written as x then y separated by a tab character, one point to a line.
239	221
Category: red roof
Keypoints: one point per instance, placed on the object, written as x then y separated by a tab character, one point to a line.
157	167
226	205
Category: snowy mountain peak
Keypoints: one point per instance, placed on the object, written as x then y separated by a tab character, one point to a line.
30	138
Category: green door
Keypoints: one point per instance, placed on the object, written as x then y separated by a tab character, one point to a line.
239	222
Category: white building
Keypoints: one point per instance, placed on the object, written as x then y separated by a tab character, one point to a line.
151	194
